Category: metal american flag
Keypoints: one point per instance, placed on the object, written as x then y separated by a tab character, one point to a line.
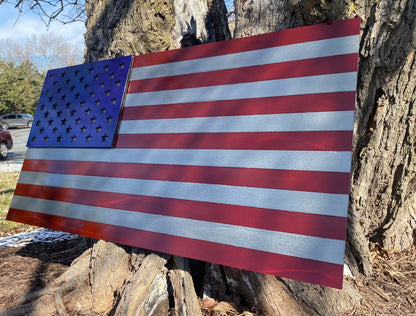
235	152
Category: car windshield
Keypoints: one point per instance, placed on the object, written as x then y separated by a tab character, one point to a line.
27	116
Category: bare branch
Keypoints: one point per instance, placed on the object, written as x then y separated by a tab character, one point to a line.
64	11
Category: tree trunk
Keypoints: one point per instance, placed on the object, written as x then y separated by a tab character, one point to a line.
383	196
383	199
111	279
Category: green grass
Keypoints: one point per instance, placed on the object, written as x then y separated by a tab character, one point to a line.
8	181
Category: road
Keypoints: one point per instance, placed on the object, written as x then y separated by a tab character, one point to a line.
18	152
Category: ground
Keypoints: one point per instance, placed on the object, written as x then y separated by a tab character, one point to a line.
391	290
30	268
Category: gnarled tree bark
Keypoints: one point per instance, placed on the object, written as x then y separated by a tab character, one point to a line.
383	197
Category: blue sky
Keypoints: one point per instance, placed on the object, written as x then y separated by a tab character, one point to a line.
24	26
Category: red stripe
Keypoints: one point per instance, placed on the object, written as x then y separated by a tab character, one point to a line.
339	101
323	226
281	38
310	140
326	274
298	180
291	69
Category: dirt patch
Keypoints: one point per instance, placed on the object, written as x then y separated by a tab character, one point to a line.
27	269
391	290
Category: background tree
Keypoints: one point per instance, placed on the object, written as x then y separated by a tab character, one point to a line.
13	52
23	67
44	51
20	87
51	51
119	280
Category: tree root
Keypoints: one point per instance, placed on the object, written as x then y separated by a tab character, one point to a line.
184	295
114	280
139	285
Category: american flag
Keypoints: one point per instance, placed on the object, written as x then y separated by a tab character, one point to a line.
235	152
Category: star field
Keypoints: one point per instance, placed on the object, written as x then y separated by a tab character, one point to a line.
80	105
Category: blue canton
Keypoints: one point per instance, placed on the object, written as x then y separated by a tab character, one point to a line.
80	105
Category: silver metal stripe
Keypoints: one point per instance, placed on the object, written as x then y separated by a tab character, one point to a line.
258	89
307	50
288	200
315	121
267	159
315	248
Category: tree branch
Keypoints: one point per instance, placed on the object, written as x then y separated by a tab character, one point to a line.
64	11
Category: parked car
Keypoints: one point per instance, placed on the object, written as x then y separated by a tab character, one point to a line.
16	120
6	143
